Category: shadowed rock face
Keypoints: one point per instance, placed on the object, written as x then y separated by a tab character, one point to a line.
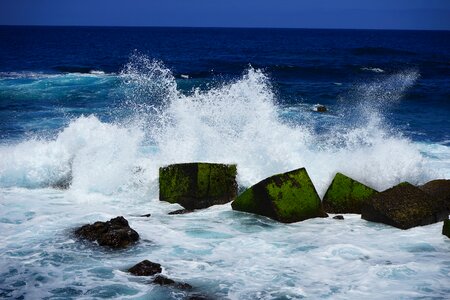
440	189
115	233
163	280
197	185
145	268
404	206
346	195
181	211
446	228
288	197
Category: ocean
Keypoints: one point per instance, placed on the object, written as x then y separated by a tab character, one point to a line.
104	108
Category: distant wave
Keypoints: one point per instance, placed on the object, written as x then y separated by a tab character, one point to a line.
380	51
41	74
73	69
376	70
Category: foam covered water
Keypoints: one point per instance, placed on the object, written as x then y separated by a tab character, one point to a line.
232	122
113	166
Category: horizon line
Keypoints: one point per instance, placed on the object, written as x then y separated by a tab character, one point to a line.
221	27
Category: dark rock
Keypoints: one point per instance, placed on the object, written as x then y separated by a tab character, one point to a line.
346	195
146	216
163	280
145	268
62	184
338	217
288	197
404	206
198	297
446	228
197	185
320	108
115	233
181	211
440	189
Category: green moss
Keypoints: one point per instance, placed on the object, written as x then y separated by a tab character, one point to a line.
203	178
294	197
246	202
174	182
446	228
346	195
221	178
197	185
288	197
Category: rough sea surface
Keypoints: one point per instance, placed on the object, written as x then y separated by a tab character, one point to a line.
104	108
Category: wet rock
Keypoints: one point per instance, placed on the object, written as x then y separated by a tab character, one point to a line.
346	195
145	268
288	197
404	206
446	228
62	184
115	233
320	108
338	217
440	189
181	211
198	297
197	185
163	280
146	216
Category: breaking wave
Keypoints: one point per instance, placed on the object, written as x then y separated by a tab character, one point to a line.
232	122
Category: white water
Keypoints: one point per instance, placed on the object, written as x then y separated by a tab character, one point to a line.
223	253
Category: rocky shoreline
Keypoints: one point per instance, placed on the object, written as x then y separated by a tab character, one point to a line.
288	197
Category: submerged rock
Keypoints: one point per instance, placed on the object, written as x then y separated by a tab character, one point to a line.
404	206
446	228
338	217
181	211
346	195
440	189
163	280
197	185
320	108
145	268
115	233
288	197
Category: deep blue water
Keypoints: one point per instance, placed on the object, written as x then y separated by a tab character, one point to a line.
304	66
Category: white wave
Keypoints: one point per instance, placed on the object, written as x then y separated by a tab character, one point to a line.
99	157
236	122
97	72
376	70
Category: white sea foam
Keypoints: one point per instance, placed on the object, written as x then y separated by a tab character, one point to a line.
235	122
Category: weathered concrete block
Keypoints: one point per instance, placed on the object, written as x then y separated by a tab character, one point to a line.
288	197
197	185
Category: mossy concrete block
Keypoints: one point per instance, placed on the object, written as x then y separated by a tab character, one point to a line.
288	197
197	185
404	206
446	228
440	189
346	195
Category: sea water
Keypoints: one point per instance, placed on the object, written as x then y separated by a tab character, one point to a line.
104	108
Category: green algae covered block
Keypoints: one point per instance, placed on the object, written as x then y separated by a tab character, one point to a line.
346	195
446	228
197	185
288	197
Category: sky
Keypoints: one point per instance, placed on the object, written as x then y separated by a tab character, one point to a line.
352	14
